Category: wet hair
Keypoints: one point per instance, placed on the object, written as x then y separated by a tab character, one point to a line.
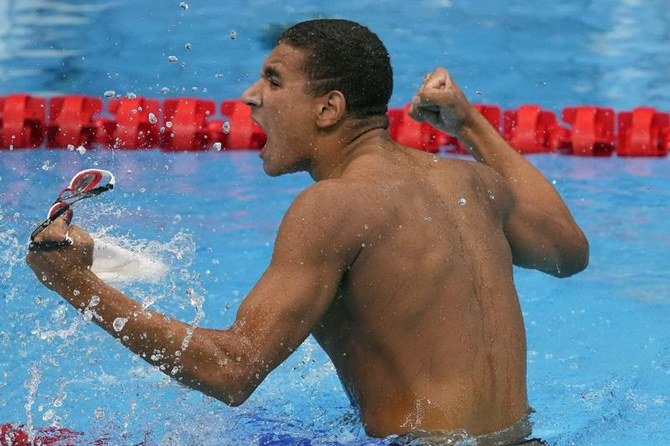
346	56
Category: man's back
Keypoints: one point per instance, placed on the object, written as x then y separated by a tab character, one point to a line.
426	331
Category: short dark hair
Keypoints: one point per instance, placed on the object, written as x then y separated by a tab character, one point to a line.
346	56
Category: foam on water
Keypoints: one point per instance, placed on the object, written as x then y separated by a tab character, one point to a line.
115	264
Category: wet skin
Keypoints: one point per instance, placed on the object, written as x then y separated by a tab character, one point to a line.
398	262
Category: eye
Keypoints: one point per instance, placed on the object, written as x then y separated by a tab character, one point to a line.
272	80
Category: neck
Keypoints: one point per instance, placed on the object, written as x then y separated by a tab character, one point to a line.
338	149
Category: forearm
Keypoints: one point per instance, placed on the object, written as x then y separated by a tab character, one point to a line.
527	184
545	234
212	361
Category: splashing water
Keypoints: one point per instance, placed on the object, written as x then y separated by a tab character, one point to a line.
119	323
124	264
196	301
32	384
12	254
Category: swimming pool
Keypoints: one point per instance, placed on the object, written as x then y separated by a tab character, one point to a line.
599	344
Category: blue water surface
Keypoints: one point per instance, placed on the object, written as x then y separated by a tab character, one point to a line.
598	363
598	343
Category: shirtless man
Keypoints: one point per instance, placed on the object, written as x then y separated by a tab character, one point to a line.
398	262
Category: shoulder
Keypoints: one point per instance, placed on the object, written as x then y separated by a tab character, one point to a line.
328	198
329	206
323	221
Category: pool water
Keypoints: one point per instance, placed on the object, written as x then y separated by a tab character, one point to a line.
598	343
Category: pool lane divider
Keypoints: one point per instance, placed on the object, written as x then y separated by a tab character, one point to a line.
191	124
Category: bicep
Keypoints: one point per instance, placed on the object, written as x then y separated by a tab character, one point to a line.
310	256
283	308
541	238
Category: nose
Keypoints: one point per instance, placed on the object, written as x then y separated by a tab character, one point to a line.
252	95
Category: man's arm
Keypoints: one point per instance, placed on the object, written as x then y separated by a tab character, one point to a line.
541	231
311	253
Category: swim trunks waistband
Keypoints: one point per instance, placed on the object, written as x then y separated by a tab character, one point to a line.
515	435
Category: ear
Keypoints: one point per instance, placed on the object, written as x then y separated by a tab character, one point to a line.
331	109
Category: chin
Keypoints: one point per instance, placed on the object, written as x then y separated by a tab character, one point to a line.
272	168
269	171
276	165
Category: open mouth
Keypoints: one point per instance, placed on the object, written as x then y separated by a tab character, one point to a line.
263	151
256	120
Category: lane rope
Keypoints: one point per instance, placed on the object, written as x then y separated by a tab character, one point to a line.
192	124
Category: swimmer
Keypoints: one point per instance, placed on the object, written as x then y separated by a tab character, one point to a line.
399	263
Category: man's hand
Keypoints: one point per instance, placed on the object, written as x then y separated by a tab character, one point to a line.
53	266
440	102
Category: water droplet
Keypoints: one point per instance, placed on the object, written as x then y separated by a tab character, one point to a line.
165	90
88	315
76	292
70	147
81	150
48	165
183	5
216	146
462	201
233	35
95	300
188	46
119	323
173	59
436	158
142	190
366	226
218	76
226	127
363	245
131	95
109	93
168	124
129	171
152	118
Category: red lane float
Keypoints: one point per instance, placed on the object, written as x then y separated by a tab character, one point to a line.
592	131
643	132
190	124
21	121
186	126
134	124
71	121
529	129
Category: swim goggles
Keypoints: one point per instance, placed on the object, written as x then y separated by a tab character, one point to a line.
85	184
